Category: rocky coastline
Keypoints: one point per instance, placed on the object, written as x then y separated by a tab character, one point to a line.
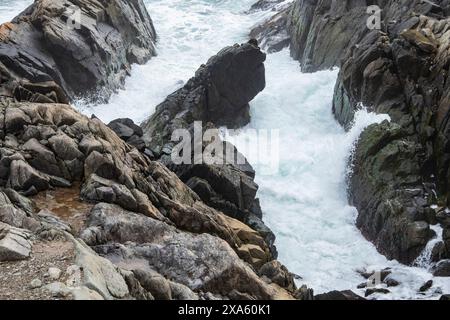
142	227
400	177
139	226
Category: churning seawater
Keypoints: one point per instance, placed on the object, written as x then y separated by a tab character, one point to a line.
305	202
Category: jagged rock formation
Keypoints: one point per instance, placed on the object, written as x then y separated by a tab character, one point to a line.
401	70
218	95
14	243
129	132
57	50
76	148
140	209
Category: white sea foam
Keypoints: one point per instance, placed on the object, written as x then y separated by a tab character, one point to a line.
305	204
11	8
189	32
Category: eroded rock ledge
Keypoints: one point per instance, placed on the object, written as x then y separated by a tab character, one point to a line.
59	50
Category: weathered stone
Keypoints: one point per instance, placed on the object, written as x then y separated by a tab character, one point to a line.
23	177
14	243
200	262
154	283
99	274
65	147
94	51
278	274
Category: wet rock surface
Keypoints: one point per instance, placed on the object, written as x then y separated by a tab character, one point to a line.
58	50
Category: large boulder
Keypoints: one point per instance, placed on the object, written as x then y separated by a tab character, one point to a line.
219	92
57	50
200	262
15	243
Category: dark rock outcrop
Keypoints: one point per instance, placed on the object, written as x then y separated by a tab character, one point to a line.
148	200
58	50
129	132
218	95
386	187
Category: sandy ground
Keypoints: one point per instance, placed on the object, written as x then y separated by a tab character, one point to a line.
15	277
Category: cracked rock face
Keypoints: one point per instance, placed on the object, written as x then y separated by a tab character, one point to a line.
14	243
58	50
145	210
199	262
